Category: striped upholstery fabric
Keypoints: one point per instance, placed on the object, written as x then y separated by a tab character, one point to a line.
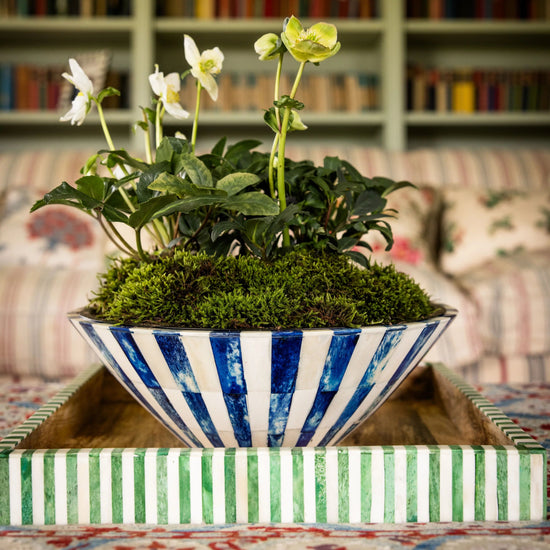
510	298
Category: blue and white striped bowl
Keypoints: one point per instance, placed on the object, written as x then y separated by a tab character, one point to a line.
261	388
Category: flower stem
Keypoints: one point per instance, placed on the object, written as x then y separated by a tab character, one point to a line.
281	154
104	126
148	151
271	167
158	124
196	119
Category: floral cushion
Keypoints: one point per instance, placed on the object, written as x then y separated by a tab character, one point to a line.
412	228
480	225
52	237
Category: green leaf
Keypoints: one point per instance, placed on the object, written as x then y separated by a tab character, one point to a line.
219	148
236	182
120	156
223	227
93	186
235	151
148	210
287	101
252	204
168	183
270	119
107	92
368	201
197	171
72	196
114	214
143	191
357	257
397	185
188	204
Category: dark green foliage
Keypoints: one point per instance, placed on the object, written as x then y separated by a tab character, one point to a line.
297	290
220	202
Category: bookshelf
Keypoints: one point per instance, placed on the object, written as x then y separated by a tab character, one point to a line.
383	46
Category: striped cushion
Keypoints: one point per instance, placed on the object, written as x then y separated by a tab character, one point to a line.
461	343
512	297
36	337
484	168
513	369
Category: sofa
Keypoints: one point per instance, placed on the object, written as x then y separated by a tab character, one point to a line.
474	232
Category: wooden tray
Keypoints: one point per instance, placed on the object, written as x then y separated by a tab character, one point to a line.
435	451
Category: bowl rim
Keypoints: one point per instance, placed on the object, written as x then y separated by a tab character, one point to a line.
445	312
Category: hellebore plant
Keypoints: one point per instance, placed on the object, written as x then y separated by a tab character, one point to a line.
233	200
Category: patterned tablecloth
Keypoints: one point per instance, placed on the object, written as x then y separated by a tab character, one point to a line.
528	405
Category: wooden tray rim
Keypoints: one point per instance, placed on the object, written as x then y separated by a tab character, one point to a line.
521	440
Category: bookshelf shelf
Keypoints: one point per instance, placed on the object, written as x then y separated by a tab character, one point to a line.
30	118
474	27
384	46
215	119
478	119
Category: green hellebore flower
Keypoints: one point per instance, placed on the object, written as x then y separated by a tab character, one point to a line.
268	46
315	44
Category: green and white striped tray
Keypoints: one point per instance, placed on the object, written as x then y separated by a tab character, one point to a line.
449	455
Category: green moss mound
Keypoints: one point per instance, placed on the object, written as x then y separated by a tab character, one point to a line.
299	290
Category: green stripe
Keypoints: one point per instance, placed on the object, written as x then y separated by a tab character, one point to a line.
253	488
116	485
139	486
26	487
72	486
502	483
207	496
49	487
275	484
185	487
524	484
412	484
298	484
162	486
343	486
434	476
366	485
230	487
389	484
479	454
94	486
321	485
5	494
458	483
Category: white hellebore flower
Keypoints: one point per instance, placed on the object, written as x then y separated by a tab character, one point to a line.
82	102
204	65
168	89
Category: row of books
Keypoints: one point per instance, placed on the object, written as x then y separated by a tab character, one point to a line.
31	87
479	9
321	93
78	8
477	90
209	9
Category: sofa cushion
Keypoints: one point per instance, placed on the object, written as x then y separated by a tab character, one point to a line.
55	236
511	369
478	226
513	302
36	337
461	343
413	230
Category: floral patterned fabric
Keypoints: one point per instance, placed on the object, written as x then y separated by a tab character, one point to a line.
481	225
